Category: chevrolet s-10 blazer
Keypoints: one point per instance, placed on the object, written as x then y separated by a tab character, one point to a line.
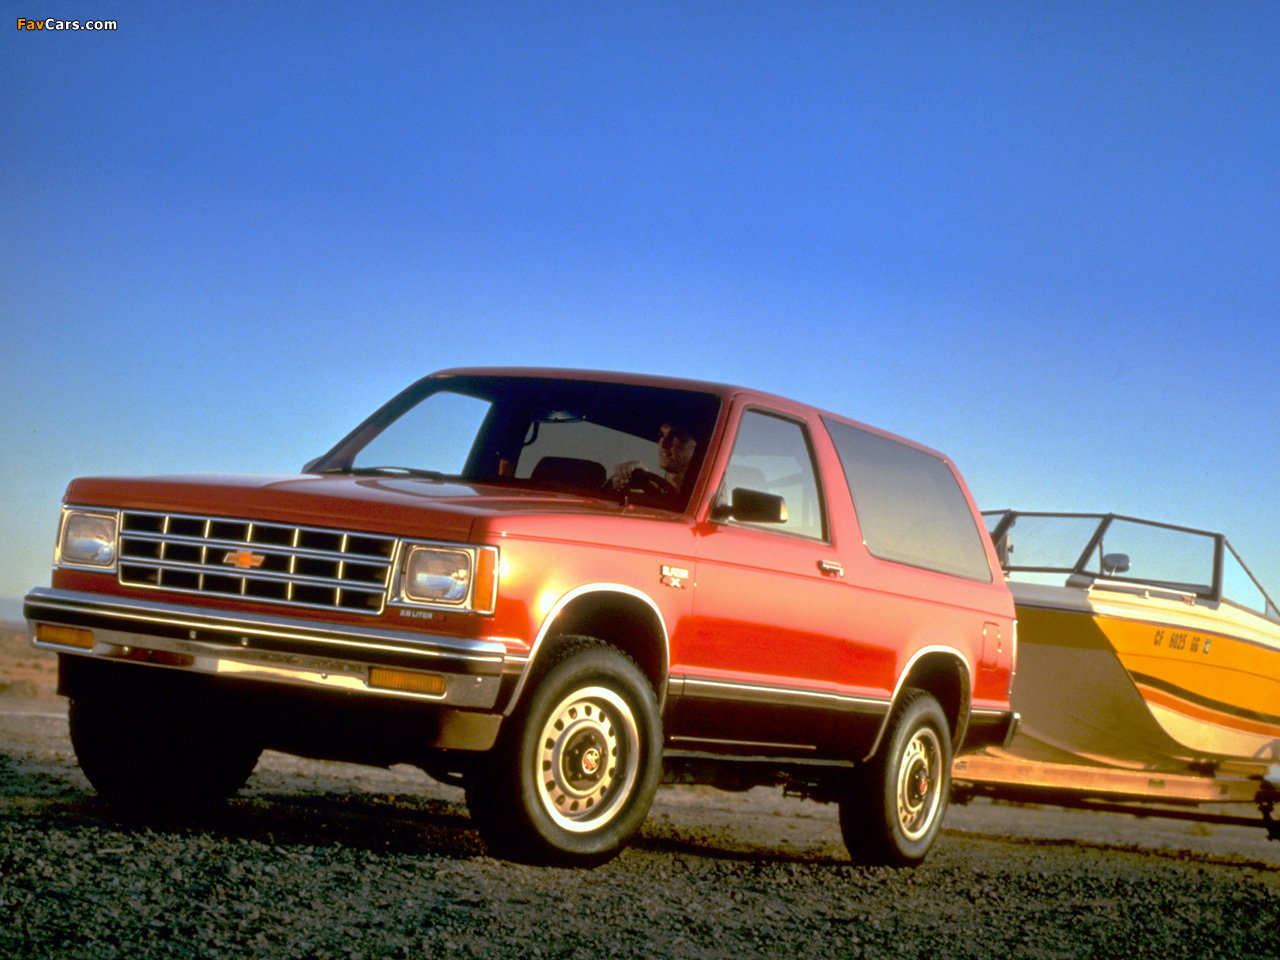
556	589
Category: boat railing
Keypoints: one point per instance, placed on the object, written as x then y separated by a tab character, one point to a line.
1226	577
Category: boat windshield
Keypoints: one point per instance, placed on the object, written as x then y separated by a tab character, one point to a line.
1088	548
559	434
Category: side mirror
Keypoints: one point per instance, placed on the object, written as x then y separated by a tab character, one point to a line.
1115	563
752	506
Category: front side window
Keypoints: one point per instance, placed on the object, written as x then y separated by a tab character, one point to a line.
909	505
772	455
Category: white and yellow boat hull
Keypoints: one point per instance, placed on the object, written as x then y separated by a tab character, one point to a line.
1141	678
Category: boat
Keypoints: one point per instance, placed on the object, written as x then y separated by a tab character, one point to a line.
1148	667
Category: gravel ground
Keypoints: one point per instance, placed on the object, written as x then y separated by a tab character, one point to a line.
325	860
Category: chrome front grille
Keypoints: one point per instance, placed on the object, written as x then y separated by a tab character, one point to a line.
269	562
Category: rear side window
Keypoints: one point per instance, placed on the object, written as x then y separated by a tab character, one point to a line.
909	505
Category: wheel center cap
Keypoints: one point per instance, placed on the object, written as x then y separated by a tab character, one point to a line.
591	761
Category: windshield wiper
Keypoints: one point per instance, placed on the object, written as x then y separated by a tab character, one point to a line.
388	471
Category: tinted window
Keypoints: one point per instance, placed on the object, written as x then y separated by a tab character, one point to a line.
535	432
772	455
909	505
575	438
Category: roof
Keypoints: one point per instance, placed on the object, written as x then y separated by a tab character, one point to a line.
723	390
605	376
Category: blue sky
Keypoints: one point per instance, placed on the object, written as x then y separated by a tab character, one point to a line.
1042	237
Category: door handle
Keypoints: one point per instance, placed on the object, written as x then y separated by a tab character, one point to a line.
831	567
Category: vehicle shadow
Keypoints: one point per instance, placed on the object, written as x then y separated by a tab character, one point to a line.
54	791
728	850
393	823
382	823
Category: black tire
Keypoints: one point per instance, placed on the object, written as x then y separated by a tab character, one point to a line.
146	760
576	766
893	810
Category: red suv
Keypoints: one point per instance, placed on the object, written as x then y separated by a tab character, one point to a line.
556	589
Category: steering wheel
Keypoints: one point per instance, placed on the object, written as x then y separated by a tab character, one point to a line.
644	482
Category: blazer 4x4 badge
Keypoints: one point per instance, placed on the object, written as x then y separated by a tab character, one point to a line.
674	576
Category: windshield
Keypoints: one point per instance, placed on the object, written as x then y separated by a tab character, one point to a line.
565	435
1084	548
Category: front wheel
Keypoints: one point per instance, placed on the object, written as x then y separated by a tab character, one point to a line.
576	768
894	808
155	761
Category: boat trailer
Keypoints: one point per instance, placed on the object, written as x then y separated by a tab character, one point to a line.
1142	793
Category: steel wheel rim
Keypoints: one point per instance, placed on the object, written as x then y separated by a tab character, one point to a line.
587	759
919	784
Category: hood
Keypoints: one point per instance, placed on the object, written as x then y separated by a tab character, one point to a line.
446	510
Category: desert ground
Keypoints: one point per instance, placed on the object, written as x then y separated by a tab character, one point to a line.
332	860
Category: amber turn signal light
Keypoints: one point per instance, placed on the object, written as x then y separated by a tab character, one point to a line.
408	681
64	636
486	589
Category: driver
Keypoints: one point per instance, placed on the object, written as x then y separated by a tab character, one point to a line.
675	453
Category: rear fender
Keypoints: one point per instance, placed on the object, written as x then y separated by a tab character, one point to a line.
944	673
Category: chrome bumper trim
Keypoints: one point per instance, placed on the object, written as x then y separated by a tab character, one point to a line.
270	649
763	693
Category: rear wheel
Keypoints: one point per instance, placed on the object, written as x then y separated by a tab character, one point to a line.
151	760
893	810
576	767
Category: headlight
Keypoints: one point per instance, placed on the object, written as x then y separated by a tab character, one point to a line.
432	575
88	539
464	578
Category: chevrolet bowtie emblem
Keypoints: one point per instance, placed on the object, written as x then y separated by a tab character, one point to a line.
244	559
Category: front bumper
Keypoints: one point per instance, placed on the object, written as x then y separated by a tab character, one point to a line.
465	675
